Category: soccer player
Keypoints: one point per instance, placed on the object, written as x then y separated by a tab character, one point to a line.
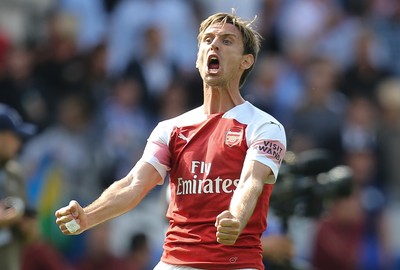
222	158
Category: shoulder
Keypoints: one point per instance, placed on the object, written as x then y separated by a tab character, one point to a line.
253	117
260	125
191	117
165	127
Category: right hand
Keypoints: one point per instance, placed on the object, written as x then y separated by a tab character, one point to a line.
68	213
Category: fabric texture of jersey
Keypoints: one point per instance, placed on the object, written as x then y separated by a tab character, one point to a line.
204	156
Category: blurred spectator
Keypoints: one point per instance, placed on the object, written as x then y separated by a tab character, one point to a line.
91	19
153	68
274	88
363	76
388	30
291	91
67	159
176	19
139	253
133	222
127	124
59	69
318	121
359	8
174	101
18	87
98	82
352	234
99	255
267	25
302	21
388	93
265	86
381	8
23	21
360	126
74	145
39	254
336	37
13	201
278	247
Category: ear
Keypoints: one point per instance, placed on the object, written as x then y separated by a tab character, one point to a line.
247	61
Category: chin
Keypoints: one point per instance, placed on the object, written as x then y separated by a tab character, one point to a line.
213	81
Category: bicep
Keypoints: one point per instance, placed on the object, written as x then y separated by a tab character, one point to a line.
143	176
256	173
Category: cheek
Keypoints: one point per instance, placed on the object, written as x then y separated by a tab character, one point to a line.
199	61
201	55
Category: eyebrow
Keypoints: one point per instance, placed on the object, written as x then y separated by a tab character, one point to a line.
220	34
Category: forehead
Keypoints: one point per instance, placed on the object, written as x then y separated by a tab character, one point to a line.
223	29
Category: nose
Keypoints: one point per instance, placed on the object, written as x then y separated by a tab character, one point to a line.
214	45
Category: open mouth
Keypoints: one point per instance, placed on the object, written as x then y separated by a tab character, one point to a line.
213	63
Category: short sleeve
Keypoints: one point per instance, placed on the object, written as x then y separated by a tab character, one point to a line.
267	145
157	152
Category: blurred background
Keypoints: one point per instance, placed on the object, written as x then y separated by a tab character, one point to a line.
96	76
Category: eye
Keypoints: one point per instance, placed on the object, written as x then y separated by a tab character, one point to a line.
227	42
208	40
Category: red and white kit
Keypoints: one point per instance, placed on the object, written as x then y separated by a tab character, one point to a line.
204	156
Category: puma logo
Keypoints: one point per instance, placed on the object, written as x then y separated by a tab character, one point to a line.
183	137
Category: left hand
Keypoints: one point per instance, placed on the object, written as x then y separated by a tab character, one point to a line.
228	228
73	211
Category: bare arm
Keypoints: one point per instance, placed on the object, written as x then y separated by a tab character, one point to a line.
230	223
122	196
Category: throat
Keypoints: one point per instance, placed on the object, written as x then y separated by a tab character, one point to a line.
220	100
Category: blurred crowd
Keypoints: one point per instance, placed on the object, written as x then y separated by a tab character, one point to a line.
95	77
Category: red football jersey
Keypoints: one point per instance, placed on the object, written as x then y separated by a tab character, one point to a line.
204	155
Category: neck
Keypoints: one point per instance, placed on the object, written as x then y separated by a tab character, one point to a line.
220	99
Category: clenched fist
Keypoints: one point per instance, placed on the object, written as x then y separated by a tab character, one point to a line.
73	211
228	228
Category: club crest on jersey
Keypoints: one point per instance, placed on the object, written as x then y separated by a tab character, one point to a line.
234	136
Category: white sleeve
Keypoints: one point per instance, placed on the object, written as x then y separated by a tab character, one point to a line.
267	145
157	151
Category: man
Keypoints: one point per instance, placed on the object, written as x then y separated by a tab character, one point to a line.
12	187
222	159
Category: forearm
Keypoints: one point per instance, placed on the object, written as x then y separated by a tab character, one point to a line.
120	197
245	199
114	201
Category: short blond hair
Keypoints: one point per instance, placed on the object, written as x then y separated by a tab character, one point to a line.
251	38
